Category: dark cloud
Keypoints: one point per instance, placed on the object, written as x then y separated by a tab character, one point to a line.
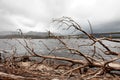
113	26
32	14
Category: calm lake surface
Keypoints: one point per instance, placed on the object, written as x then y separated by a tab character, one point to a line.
45	46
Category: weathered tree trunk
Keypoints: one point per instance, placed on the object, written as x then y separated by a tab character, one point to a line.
5	76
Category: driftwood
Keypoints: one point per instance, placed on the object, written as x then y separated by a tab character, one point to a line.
96	60
5	76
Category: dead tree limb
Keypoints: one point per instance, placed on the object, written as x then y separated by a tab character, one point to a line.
6	76
71	23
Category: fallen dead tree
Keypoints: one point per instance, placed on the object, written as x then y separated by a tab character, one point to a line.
85	63
5	76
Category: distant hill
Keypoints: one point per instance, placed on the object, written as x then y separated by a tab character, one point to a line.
8	33
30	34
39	35
97	35
110	34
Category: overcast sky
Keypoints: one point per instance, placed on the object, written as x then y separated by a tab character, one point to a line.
36	15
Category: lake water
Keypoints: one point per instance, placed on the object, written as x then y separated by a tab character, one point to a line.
39	46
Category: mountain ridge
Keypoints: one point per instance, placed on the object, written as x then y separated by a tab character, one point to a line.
33	34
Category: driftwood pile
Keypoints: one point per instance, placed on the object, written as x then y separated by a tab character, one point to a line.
92	66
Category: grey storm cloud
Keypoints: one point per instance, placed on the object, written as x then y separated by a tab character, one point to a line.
113	26
35	15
